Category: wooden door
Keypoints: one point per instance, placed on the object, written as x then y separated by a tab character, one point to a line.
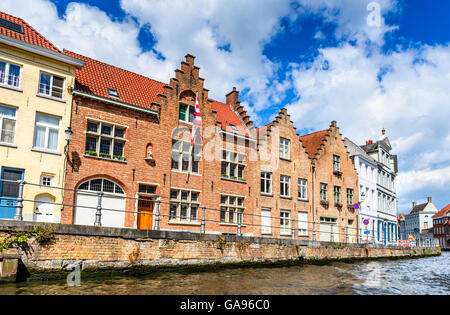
145	213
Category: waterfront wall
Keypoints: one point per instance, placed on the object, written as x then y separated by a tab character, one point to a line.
97	248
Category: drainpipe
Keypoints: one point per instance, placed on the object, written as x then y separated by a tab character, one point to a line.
312	197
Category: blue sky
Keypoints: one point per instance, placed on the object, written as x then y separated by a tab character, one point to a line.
321	59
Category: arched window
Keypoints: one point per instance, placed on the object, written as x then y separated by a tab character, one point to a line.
102	185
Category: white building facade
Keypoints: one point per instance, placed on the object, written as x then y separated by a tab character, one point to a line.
419	222
386	226
367	170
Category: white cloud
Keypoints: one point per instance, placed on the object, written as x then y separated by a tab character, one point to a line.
417	180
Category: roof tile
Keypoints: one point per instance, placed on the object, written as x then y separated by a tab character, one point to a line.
30	35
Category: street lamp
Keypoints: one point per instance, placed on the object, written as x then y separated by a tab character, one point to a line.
68	133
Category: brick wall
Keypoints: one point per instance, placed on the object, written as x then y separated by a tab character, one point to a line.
98	247
323	173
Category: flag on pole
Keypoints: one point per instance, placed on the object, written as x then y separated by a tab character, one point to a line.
197	124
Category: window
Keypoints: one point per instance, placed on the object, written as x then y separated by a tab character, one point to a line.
285	186
51	85
302	189
147	189
302	224
105	140
337	194
46	133
285	222
349	196
265	222
113	93
46	180
234	128
7	124
183	159
102	185
284	148
187	113
336	163
233	165
10	74
230	208
266	183
323	192
184	205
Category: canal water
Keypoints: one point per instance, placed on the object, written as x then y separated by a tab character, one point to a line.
415	276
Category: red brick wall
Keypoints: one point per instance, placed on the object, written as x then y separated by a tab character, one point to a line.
143	129
334	145
298	166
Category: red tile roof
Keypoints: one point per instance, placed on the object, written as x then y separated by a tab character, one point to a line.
312	142
442	212
30	35
227	116
96	78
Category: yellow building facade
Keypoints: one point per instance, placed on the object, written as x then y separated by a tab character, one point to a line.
35	110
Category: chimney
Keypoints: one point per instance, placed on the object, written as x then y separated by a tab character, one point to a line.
430	200
333	123
369	142
232	97
414	204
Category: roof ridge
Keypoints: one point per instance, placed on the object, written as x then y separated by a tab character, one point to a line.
314	132
110	65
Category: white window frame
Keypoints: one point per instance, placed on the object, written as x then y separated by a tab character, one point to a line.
112	138
4	80
285	229
302	189
45	178
336	163
51	86
189	106
266	177
227	207
191	157
237	160
47	131
323	189
285	148
15	124
186	202
285	181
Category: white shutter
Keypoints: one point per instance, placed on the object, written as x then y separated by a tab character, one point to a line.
302	223
265	222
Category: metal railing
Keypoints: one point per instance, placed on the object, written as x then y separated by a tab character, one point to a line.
210	220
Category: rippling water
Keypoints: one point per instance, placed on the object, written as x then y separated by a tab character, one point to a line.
416	276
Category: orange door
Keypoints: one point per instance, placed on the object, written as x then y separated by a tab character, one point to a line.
145	213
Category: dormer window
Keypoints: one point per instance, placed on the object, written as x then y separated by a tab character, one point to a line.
113	93
234	128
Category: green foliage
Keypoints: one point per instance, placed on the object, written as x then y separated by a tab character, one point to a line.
90	153
42	234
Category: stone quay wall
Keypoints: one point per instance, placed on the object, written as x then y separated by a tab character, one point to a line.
97	248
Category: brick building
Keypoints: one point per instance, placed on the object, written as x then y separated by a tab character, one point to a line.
132	140
441	227
335	186
285	183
